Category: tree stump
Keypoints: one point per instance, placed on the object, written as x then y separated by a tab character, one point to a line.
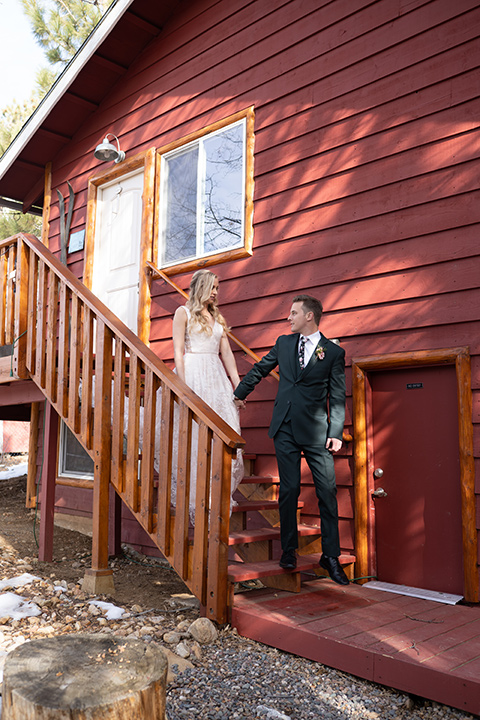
84	677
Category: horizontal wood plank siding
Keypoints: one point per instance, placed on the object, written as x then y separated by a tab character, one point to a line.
366	173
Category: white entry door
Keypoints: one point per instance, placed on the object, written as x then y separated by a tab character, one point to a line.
117	249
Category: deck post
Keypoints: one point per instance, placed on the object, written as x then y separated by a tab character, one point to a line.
47	490
99	578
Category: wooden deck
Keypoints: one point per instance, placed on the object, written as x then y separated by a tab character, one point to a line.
417	646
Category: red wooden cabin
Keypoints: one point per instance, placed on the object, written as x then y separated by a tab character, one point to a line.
348	138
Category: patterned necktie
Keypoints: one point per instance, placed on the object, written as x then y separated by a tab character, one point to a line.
301	351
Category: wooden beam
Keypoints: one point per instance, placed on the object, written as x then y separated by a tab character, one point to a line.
360	465
47	490
467	476
99	578
31	499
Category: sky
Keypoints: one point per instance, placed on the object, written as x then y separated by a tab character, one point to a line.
20	56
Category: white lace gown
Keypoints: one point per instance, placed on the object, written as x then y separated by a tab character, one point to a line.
205	374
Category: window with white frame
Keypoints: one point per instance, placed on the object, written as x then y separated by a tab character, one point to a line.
204	209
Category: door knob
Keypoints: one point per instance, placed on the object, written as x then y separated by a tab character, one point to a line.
379	492
378	472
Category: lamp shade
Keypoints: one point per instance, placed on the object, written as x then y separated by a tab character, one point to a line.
107	152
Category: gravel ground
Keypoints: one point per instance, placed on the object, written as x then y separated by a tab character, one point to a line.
221	677
230	677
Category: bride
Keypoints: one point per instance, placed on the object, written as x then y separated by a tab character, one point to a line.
199	338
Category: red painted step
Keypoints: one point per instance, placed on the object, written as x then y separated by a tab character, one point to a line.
266	479
271	533
246	505
240	572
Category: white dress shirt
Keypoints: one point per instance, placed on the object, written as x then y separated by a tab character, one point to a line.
311	342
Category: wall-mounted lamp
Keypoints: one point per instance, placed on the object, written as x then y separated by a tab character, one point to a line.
108	152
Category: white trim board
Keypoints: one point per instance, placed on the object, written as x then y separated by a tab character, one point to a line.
447	598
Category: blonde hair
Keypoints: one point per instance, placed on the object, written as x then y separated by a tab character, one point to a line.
201	286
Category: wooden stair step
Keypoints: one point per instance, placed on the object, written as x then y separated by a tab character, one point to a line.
240	572
246	505
266	479
241	537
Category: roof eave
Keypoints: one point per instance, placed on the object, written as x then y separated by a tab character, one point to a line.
63	82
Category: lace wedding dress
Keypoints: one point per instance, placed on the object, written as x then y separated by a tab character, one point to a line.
205	374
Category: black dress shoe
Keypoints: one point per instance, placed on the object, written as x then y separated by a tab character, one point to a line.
334	569
288	561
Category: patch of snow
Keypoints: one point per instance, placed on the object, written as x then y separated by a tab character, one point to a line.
16	607
14	471
18	581
111	612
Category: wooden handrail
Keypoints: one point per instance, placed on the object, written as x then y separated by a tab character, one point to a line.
159	273
347	438
151	360
67	342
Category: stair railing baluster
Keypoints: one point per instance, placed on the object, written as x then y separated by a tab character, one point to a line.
63	354
21	311
202	514
75	356
11	273
184	456
31	309
118	469
165	456
51	347
132	460
148	449
3	293
86	405
41	324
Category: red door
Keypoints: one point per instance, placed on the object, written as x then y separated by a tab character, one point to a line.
418	526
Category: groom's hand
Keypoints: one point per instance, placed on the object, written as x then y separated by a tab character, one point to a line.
239	403
333	444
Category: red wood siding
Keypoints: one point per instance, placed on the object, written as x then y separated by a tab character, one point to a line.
366	172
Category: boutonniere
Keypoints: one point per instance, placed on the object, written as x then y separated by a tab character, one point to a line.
319	352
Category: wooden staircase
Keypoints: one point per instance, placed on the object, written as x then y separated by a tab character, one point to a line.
111	390
254	539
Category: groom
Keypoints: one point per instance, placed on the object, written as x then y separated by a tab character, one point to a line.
312	374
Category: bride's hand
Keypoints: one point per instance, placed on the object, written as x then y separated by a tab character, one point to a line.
239	403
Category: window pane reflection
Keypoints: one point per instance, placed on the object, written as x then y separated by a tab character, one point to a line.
181	219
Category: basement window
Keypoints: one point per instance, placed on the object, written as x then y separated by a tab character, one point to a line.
73	459
205	196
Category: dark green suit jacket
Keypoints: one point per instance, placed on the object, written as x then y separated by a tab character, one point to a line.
312	398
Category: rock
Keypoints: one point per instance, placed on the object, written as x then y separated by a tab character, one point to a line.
176	664
196	651
146	630
46	630
182	650
183	626
172	638
203	631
